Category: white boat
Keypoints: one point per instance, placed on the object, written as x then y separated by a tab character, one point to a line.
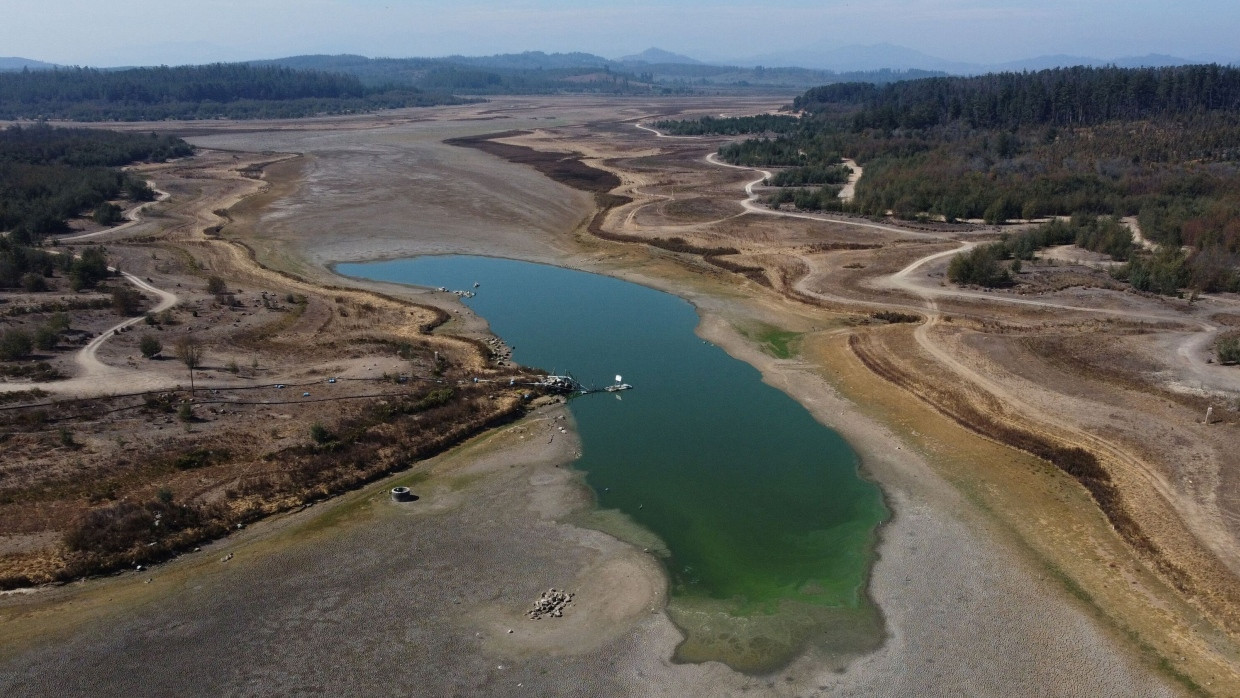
618	386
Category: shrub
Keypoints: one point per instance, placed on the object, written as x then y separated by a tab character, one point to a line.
320	434
89	269
59	322
1165	273
1228	349
33	282
980	266
126	301
150	346
216	285
199	458
15	344
895	317
119	527
45	338
107	214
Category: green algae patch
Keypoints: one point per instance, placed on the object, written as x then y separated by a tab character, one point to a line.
782	344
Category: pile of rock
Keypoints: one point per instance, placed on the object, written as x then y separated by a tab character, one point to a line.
551	603
499	351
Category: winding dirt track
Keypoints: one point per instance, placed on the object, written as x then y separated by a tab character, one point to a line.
849	190
750	203
133	216
97	378
1188	350
660	134
87	360
94	376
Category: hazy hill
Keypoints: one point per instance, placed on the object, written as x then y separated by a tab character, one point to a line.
531	60
1152	60
234	90
879	56
537	72
858	58
14	63
658	55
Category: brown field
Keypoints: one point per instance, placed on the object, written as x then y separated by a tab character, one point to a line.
1064	521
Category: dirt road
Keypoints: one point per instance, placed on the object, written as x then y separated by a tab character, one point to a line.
133	216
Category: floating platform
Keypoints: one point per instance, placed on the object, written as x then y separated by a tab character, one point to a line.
561	384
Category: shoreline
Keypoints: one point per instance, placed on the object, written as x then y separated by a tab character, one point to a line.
865	444
1140	631
910	635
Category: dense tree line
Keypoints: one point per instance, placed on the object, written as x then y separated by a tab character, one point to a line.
1072	97
805	149
528	73
825	198
1160	144
811	174
1171	269
983	265
734	126
48	175
471	80
535	72
1106	235
235	90
28	268
1166	271
41	144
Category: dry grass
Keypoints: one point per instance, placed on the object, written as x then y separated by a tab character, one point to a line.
123	504
986	416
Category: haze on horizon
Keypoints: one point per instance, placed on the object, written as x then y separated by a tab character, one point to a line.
129	32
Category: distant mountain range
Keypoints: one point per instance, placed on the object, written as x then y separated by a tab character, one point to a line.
13	64
878	56
658	55
792	67
653	70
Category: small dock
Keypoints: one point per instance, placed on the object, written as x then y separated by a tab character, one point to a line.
565	385
570	385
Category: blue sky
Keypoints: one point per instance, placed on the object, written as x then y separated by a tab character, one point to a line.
116	32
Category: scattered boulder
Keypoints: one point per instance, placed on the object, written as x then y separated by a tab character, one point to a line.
552	603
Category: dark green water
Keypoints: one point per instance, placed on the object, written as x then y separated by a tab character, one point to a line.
762	521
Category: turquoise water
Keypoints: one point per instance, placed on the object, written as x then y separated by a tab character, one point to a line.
764	525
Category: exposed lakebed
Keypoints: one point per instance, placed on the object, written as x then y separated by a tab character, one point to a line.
764	525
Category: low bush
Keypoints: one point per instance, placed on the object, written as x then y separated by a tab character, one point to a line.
1228	349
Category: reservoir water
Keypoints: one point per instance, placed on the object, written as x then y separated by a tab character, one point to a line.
758	512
